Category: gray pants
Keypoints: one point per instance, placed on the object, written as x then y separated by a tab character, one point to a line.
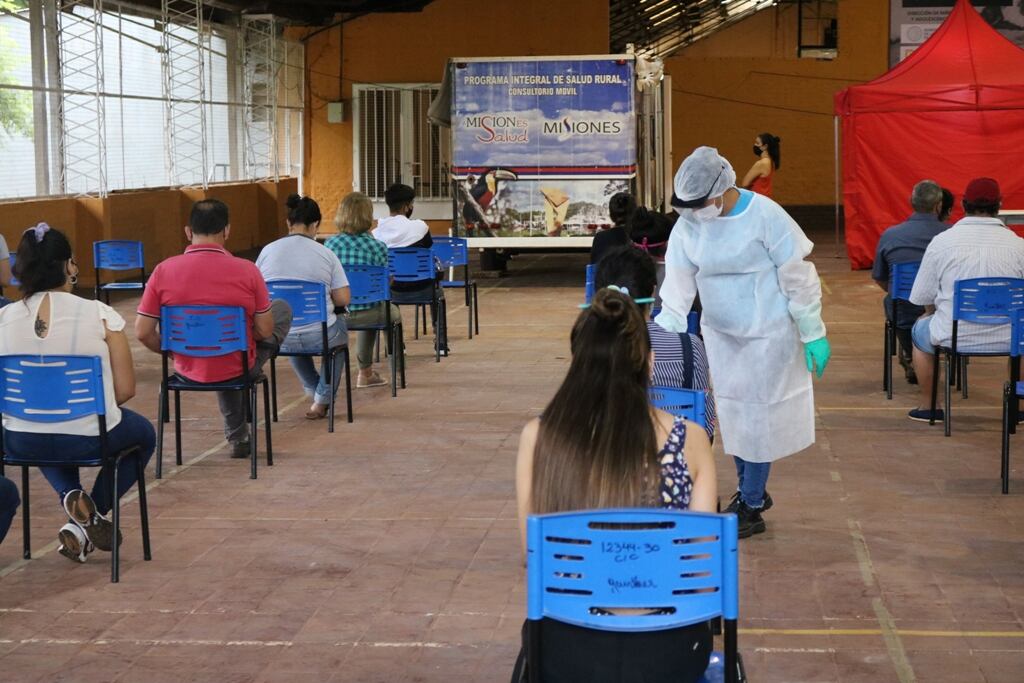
233	403
366	338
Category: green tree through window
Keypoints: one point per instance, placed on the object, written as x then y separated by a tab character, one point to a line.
15	105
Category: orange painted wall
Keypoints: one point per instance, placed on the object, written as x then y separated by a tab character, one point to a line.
156	217
414	48
747	80
726	89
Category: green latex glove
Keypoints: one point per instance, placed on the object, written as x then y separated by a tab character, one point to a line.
817	353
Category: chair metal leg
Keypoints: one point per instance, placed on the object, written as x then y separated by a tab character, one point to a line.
376	347
253	432
416	323
273	384
393	359
424	306
165	413
266	422
177	428
161	410
26	506
401	352
963	375
946	415
140	475
1004	460
731	663
476	309
115	513
887	361
348	385
935	386
328	363
469	309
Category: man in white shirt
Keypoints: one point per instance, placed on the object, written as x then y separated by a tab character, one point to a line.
978	245
398	229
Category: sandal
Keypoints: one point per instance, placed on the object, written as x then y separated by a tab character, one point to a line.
318	413
82	511
74	544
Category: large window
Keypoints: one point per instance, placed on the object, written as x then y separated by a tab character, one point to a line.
395	143
98	97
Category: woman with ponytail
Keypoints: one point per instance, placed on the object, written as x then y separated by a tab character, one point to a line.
300	257
52	321
769	160
600	444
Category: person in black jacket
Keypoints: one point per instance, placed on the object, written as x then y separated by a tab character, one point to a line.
620	208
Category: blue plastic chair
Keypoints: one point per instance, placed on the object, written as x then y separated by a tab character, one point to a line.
370	285
15	282
1013	391
55	389
901	283
688	403
588	285
410	264
204	332
582	565
453	252
118	255
308	301
984	301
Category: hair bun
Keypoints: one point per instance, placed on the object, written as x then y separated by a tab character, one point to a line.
293	200
610	305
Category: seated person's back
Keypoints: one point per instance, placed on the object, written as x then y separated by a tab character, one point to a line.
599	444
400	229
620	207
679	358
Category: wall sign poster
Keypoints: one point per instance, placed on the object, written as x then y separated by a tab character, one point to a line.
913	21
539	146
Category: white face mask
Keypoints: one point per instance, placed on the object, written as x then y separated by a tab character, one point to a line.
708	213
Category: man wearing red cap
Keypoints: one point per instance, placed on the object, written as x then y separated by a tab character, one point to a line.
978	245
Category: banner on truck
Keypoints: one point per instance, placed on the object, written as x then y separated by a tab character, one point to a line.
539	146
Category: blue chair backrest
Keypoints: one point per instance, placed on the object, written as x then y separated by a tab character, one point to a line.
51	388
579	564
692	322
14	281
588	292
408	264
901	280
118	255
308	300
987	300
688	403
368	284
451	252
1017	333
203	331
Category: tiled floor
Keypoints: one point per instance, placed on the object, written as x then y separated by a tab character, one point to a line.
388	550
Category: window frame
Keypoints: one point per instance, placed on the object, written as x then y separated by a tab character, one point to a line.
427	209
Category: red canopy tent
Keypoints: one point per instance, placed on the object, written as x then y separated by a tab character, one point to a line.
951	111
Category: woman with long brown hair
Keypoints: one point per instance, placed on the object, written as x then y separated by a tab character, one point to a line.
600	444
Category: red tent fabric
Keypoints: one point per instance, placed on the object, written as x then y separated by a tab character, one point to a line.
951	111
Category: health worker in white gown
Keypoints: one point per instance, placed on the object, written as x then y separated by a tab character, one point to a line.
761	319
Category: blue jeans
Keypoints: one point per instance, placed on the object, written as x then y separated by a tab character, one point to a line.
316	384
9	502
133	430
753	477
922	334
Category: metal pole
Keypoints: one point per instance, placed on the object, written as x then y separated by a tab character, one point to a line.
39	127
54	83
835	145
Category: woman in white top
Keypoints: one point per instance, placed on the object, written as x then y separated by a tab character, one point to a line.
300	257
52	321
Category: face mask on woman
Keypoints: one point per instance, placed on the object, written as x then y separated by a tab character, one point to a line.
757	151
708	213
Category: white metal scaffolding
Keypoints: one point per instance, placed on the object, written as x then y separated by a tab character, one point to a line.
260	65
82	115
184	45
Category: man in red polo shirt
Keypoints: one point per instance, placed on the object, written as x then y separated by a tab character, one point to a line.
207	274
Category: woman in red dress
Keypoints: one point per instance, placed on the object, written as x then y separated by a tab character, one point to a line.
769	158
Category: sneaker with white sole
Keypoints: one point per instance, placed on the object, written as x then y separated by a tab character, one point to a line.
74	544
80	507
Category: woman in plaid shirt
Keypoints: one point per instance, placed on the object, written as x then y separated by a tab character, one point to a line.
354	245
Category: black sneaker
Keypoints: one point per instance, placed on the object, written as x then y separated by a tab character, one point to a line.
748	521
240	449
81	509
925	415
735	502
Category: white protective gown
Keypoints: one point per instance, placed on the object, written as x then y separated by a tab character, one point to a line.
760	300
